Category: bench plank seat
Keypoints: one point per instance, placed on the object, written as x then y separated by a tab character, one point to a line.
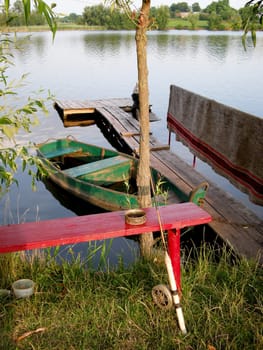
78	229
85	228
99	165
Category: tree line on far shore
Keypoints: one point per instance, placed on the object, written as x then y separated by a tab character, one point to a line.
218	15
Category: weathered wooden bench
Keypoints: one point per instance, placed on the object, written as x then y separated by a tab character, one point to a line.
78	229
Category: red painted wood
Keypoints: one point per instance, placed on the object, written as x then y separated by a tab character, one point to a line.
96	227
174	253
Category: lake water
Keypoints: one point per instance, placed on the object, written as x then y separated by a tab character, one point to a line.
95	65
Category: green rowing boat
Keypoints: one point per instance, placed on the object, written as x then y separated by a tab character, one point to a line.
105	178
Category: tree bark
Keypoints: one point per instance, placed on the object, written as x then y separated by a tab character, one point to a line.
144	175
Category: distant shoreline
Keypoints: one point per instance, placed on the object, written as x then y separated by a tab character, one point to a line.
24	29
43	28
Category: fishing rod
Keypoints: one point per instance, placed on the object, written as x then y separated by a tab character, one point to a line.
173	286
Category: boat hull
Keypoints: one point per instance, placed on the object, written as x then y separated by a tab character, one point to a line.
101	177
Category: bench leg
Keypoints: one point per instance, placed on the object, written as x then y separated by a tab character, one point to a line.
174	253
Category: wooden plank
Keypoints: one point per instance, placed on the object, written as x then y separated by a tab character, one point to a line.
123	117
89	168
92	104
159	148
70	123
232	221
118	127
129	134
72	111
78	104
119	119
67	109
96	227
153	149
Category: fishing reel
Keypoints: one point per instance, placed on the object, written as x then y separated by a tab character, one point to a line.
162	296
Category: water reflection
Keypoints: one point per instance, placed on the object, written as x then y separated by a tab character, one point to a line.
74	204
102	43
95	65
39	43
217	47
30	45
107	44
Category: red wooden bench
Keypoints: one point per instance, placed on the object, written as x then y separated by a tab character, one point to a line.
77	229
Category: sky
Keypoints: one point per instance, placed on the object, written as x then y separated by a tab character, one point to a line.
66	7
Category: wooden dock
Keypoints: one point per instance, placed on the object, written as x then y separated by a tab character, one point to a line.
84	113
232	221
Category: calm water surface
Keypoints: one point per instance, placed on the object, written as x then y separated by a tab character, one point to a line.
94	65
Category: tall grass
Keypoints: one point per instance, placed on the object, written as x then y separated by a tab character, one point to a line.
79	308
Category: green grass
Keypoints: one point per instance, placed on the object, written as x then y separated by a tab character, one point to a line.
79	308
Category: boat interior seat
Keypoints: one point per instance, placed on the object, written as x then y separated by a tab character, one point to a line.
62	152
94	167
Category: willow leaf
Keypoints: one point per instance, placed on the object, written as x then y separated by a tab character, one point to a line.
9	131
27	9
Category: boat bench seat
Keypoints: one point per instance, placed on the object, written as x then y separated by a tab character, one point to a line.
93	167
61	152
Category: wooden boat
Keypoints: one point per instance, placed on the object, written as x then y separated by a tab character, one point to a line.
103	177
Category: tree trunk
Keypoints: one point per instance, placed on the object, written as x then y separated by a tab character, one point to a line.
144	175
